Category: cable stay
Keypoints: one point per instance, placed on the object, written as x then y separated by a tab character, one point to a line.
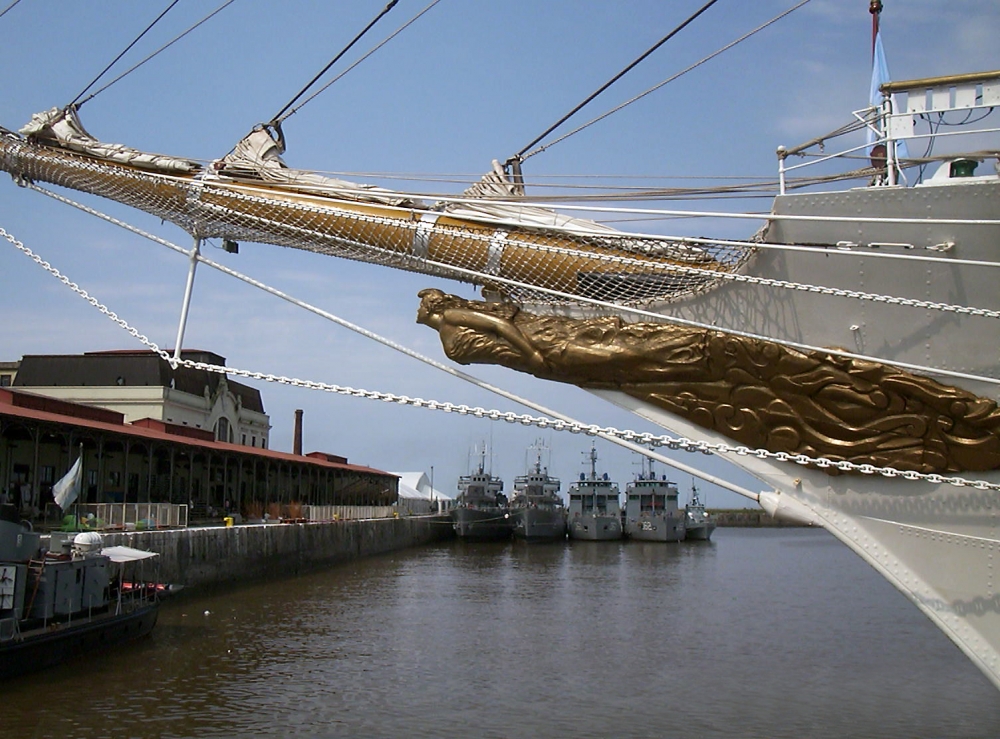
360	59
513	163
667	81
8	8
124	51
156	53
280	116
475	276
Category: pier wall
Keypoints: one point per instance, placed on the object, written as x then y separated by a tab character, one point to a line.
752	518
220	555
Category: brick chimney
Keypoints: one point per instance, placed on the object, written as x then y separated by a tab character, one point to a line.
297	439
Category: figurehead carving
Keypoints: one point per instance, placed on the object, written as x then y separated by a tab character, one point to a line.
758	393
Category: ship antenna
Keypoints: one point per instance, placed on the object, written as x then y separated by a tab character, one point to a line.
593	461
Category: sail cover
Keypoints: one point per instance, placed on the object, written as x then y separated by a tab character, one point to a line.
258	156
62	127
126	554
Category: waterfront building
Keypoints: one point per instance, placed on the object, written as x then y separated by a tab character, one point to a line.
8	370
198	462
141	384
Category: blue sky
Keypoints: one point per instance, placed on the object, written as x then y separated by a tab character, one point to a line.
471	81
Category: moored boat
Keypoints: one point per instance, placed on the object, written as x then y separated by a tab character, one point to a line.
651	509
55	606
699	523
595	512
481	510
536	508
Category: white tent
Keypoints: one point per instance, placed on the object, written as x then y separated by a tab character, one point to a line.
417	495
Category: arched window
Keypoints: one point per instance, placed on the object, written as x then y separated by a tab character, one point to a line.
222	432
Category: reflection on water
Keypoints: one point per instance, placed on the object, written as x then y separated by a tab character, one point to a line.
758	633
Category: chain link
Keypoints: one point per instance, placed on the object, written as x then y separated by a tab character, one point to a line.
542	422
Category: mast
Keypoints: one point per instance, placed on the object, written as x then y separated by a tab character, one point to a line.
593	462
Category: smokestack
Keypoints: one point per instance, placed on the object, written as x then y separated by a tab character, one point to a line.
297	441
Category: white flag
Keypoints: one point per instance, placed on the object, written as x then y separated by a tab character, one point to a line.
68	488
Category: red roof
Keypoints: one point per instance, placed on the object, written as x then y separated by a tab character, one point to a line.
28	406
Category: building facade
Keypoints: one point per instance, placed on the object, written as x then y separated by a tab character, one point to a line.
140	385
150	461
148	433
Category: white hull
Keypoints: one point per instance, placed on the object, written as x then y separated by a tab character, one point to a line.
935	543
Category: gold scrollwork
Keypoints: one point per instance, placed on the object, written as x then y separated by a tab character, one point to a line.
758	393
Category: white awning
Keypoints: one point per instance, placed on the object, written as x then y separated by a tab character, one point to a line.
127	554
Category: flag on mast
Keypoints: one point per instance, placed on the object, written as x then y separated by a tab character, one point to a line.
880	75
68	488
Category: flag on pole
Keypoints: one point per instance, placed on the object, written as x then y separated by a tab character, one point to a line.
68	488
880	75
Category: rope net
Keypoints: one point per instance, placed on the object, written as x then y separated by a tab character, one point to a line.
557	264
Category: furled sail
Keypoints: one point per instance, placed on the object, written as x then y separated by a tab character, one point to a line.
62	127
258	156
521	251
492	196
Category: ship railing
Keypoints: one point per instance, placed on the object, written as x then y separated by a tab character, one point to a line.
132	516
10	629
891	126
347	512
135	588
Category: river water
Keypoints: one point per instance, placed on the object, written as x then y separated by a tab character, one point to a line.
759	633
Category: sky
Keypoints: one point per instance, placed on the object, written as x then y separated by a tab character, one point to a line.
470	81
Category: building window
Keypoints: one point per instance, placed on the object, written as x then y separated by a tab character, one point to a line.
47	474
244	442
263	443
253	441
222	430
5	380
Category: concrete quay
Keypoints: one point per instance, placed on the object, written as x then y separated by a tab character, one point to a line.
207	556
226	555
751	518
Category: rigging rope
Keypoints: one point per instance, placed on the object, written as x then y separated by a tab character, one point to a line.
8	8
667	81
123	53
614	79
478	277
371	51
157	52
640	439
276	120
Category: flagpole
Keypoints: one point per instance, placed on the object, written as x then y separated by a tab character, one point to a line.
74	510
875	8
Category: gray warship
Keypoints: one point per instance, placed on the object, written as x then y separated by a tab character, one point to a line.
651	509
536	508
595	512
699	523
481	510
